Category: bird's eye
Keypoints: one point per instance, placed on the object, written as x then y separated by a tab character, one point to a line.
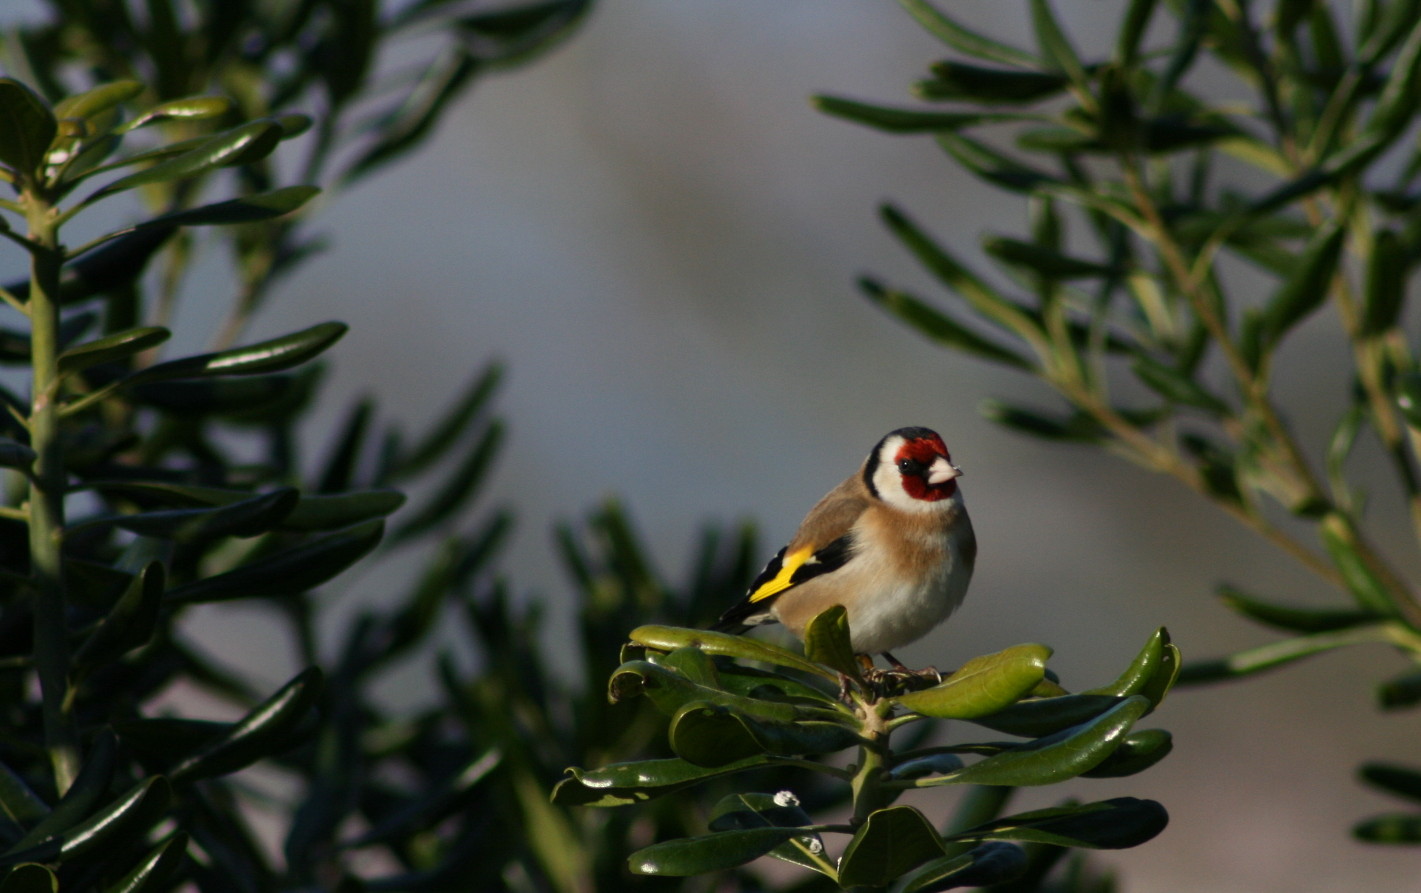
910	466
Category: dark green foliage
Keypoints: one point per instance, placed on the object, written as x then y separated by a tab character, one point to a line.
720	727
1118	157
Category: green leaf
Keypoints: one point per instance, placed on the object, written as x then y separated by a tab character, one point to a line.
1275	654
241	145
1292	618
994	862
27	127
1118	823
1362	580
1055	47
994	166
18	801
191	108
1408	398
322	511
98	100
889	843
150	875
246	518
1400	691
710	734
622	784
1054	758
972	83
265	731
826	641
247	209
131	623
1307	288
1384	293
1177	386
900	120
88	790
456	491
111	348
288	572
755	810
1149	663
1402	828
1078	428
273	355
983	685
668	638
1403	781
1139	751
938	326
964	39
711	853
1044	261
670	691
29	877
14	454
133	813
445	434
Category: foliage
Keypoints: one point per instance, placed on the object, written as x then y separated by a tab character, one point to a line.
727	718
1154	213
140	488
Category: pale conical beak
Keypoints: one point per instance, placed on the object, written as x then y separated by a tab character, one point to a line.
942	471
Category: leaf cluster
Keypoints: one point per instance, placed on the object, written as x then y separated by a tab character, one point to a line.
737	706
1176	248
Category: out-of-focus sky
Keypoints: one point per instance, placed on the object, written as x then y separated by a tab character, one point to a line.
660	237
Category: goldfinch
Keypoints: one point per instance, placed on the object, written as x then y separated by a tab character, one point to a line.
892	544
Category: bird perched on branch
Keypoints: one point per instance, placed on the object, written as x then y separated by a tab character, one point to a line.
892	544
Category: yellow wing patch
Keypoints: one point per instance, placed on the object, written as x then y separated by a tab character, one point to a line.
783	577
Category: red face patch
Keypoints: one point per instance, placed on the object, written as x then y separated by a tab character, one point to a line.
913	459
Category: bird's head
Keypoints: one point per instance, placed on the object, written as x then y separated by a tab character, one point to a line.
911	469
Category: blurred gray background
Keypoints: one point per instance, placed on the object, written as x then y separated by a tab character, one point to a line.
660	236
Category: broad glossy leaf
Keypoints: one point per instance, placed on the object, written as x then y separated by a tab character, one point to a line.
1145	665
826	641
1053	758
1294	618
711	853
995	862
890	843
1403	781
757	810
1137	752
27	127
247	209
769	686
150	875
983	685
29	877
283	573
1402	828
900	120
111	348
98	100
622	784
241	145
666	638
709	734
131	623
246	518
692	663
265	731
85	795
670	691
136	811
191	108
264	357
1118	823
937	325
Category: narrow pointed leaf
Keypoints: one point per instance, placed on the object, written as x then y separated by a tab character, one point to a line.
938	326
446	433
890	843
247	518
265	731
1365	584
622	784
151	874
755	810
1400	691
1117	823
1307	288
1403	781
983	685
711	853
1295	618
965	39
1384	293
901	120
131	623
1054	758
1139	751
136	811
111	348
89	789
192	108
1146	665
241	145
459	488
1044	261
19	802
274	355
1403	828
973	83
1177	386
288	572
1275	654
247	209
1055	47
